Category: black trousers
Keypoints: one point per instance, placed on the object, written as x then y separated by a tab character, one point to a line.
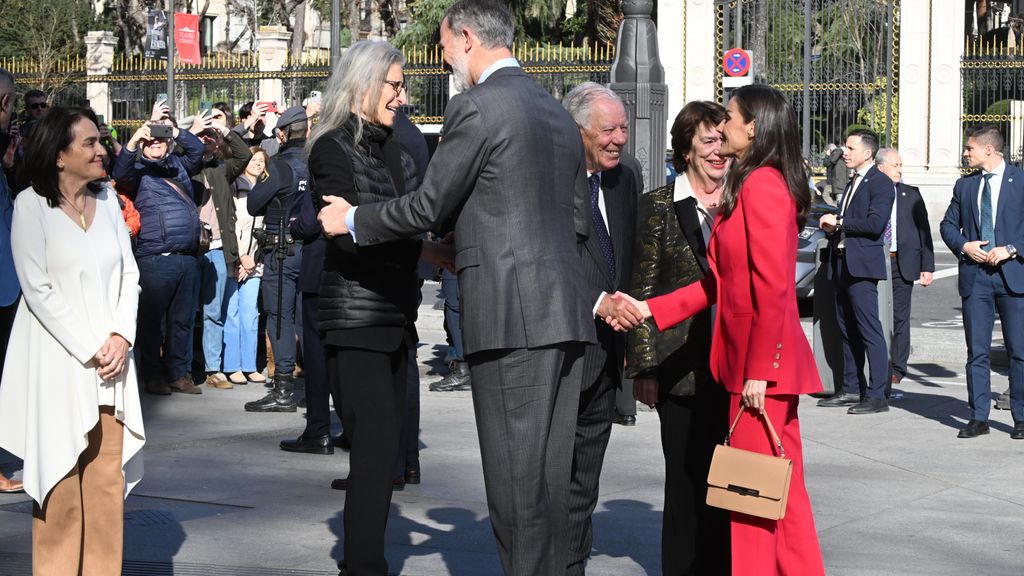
695	537
593	429
902	292
409	448
371	387
318	392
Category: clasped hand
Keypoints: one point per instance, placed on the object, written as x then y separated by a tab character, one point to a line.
993	257
332	216
112	357
623	312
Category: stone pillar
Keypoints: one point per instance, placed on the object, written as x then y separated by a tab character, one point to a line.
638	78
272	43
930	101
702	57
99	59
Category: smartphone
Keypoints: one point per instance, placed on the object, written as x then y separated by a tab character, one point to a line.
315	96
205	107
161	130
100	120
161	97
271	106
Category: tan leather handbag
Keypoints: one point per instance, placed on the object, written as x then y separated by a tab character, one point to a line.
750	482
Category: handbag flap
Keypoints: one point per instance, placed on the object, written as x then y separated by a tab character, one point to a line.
749	473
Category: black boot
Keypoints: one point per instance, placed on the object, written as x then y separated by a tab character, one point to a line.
456	380
280	399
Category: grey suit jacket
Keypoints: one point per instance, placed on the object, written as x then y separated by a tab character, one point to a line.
510	169
622	188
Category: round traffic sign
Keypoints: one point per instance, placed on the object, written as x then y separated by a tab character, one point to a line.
736	62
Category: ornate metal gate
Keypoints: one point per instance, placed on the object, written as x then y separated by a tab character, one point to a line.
836	60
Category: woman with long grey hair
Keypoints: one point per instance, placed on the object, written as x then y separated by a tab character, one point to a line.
368	295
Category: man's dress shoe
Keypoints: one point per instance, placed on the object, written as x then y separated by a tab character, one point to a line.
870	406
1018	431
342	441
317	445
839	400
624	420
973	429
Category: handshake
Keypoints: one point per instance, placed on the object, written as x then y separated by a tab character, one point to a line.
622	312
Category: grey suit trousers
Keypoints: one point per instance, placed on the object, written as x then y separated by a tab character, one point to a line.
525	402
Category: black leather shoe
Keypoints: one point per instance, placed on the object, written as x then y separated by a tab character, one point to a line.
342	441
1018	431
412	476
1003	400
457	380
342	483
318	445
973	429
870	406
839	400
627	420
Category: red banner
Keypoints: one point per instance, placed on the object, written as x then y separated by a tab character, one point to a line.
186	37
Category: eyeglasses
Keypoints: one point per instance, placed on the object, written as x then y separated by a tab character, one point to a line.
398	85
38	105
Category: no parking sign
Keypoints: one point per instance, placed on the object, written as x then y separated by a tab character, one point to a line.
736	68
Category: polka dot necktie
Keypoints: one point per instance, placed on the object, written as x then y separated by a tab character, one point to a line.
599	226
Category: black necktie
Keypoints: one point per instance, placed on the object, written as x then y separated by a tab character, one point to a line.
849	192
599	226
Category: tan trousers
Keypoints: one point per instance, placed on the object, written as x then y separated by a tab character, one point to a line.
80	528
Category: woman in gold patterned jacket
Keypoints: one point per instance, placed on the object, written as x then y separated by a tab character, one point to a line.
670	369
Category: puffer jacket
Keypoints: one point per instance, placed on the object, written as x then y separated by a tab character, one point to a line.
365	286
169	216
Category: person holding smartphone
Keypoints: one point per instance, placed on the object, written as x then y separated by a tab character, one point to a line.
159	183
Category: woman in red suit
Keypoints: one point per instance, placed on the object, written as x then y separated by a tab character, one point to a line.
758	352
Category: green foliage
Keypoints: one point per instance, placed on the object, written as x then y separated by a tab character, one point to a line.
423	28
46	30
1000	108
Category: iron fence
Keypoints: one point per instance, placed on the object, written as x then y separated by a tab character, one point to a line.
836	61
992	80
135	82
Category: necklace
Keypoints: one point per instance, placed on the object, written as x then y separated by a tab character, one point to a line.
81	213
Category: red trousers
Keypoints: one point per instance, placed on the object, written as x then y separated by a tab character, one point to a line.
787	547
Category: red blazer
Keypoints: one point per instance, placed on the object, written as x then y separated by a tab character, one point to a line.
752	257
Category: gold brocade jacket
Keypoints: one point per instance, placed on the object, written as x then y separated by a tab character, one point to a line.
669	253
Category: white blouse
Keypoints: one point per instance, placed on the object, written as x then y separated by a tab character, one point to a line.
79	287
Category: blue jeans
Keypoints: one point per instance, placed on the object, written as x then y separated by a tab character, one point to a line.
287	284
241	325
452	311
213	276
166	316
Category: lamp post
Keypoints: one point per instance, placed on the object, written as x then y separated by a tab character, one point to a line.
638	77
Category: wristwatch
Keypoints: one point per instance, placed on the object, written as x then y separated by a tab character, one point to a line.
1012	250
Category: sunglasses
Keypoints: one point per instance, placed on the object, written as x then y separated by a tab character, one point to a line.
39	106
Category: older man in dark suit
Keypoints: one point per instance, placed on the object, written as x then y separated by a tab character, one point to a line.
857	263
911	255
615	187
983	227
511	170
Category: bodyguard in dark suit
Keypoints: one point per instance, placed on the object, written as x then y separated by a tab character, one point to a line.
857	263
510	169
984	226
606	257
911	256
670	368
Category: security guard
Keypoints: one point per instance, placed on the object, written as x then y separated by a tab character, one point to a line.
273	198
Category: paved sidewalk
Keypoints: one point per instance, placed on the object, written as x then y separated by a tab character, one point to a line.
894	494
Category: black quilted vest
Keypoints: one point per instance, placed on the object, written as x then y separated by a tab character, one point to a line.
378	285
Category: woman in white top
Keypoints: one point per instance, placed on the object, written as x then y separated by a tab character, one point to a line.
69	402
241	324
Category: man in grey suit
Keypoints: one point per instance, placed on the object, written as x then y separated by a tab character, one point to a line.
615	187
510	169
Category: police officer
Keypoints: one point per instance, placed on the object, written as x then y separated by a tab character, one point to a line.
274	199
